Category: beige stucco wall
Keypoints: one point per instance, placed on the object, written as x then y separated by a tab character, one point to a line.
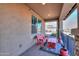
15	29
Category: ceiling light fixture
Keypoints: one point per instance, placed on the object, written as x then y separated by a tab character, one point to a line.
48	15
43	3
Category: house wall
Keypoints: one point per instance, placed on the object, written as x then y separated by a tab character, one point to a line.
15	28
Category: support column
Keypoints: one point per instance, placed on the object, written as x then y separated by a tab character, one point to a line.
43	27
60	27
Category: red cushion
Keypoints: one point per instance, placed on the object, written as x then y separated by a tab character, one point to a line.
51	45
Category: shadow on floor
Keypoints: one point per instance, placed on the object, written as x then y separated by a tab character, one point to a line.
35	51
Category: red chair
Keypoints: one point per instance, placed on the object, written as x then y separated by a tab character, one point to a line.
51	43
40	40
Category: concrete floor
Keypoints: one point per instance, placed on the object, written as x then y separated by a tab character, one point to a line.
35	51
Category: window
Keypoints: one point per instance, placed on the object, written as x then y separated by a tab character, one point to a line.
39	26
34	27
70	22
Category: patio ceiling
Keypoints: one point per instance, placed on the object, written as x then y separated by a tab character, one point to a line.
48	11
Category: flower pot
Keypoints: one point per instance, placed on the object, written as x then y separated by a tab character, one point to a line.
63	52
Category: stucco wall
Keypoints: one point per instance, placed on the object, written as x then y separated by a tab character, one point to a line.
15	29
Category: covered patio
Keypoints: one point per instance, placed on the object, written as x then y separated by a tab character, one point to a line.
21	25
